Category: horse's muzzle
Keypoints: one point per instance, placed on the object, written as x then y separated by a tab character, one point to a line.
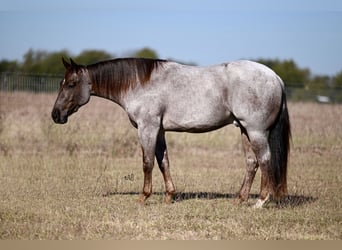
57	118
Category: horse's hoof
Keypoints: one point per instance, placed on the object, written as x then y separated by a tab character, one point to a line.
142	199
168	199
140	202
260	203
237	201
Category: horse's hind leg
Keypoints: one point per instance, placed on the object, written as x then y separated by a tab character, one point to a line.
252	167
260	146
163	163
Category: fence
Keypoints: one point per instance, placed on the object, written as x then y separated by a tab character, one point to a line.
28	82
50	83
321	95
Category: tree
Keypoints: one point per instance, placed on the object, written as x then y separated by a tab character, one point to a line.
319	82
91	56
52	63
146	53
43	62
288	71
337	87
337	80
9	66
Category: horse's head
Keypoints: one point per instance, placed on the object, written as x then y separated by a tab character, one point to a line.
74	92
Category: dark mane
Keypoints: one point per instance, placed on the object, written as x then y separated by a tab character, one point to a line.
115	77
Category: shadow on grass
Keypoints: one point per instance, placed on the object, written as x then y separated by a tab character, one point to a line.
296	200
202	195
287	201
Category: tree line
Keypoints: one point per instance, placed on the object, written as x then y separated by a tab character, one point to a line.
299	79
44	62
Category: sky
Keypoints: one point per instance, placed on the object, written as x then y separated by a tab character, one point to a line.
204	32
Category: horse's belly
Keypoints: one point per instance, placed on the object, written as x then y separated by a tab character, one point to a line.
196	121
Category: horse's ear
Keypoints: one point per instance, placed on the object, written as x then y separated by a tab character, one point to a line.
73	64
66	64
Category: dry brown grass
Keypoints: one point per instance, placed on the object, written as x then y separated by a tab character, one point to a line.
81	180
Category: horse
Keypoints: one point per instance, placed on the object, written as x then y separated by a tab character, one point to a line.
162	95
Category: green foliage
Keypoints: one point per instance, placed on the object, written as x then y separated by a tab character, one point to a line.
91	56
337	80
43	62
8	66
288	71
302	85
337	87
146	53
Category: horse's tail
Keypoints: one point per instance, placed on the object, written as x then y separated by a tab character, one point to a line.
279	140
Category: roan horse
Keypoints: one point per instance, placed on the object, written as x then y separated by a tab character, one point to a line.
160	96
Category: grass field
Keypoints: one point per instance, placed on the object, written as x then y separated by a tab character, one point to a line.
81	180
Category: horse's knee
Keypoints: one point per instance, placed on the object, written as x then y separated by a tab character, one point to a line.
148	164
147	168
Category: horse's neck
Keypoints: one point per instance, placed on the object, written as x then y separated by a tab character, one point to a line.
114	81
102	88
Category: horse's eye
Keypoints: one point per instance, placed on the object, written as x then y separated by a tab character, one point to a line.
71	84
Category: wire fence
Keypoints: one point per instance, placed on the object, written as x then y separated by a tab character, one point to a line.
44	83
321	95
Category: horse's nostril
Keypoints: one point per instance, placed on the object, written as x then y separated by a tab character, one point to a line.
55	115
58	117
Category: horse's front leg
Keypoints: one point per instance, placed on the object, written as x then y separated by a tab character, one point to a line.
147	138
